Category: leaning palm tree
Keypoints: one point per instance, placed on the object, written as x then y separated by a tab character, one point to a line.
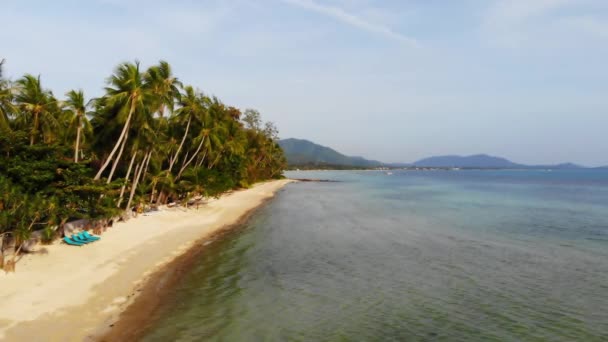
208	137
191	106
145	136
234	141
131	96
76	107
38	108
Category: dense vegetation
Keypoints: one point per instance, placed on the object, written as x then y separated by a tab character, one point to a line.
147	141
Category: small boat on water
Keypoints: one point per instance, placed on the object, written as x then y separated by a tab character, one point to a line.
389	173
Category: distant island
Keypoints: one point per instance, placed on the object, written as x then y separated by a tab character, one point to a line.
485	161
304	154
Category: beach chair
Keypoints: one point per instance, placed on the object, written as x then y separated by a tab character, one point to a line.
89	236
72	242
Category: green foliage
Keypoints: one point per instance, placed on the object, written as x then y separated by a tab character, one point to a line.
19	211
48	234
207	182
42	175
154	139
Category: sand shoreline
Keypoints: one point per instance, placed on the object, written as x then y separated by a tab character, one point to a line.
140	314
71	293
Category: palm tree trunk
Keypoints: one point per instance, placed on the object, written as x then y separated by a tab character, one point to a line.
147	163
122	147
257	162
174	159
122	189
77	141
216	160
161	198
153	191
136	181
185	165
34	129
272	173
185	158
202	159
138	170
122	136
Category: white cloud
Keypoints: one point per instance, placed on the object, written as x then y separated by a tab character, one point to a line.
343	16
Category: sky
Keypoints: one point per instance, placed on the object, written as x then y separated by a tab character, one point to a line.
393	80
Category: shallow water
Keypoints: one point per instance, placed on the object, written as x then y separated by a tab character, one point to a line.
429	256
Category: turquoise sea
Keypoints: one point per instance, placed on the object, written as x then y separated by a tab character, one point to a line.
412	256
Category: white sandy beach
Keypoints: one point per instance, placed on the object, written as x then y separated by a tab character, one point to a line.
69	292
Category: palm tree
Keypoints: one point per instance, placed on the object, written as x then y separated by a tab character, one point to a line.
191	106
231	136
229	132
38	108
193	180
162	140
209	129
164	86
6	101
130	95
77	110
137	175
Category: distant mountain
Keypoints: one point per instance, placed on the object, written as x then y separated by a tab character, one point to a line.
557	166
485	161
397	165
304	152
478	160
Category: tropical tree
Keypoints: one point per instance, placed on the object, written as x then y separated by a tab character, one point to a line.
164	86
160	140
76	108
252	119
7	107
130	96
206	126
38	108
190	106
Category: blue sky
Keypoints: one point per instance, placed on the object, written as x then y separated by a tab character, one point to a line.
393	80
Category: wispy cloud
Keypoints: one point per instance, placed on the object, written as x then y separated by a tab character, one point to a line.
343	16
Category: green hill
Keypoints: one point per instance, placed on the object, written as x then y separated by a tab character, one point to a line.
485	161
306	153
